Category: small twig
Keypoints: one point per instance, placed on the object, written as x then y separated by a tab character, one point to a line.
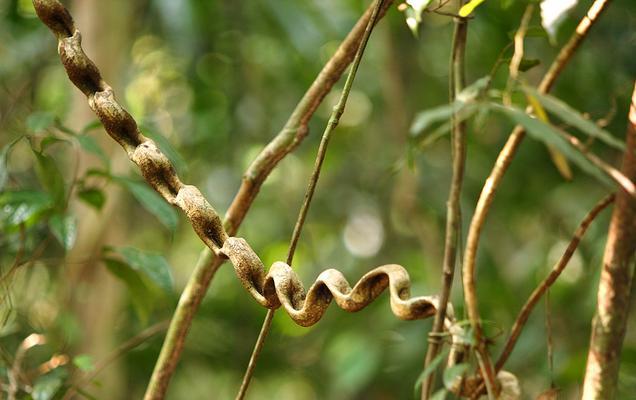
517	56
501	166
453	211
548	334
543	287
334	119
124	348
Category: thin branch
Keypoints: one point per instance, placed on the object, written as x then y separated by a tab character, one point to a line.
517	57
615	285
453	211
290	136
543	287
124	348
334	119
501	166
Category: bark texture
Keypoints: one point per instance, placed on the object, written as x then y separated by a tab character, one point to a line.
614	291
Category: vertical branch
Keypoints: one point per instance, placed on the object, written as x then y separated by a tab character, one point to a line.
333	122
501	166
290	136
453	210
614	290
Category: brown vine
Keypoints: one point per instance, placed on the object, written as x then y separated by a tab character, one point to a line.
280	286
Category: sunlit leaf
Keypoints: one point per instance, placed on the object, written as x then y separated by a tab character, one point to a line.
469	7
553	12
153	266
25	206
151	201
84	362
419	5
64	228
574	118
93	197
452	374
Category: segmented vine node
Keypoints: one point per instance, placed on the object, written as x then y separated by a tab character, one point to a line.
278	287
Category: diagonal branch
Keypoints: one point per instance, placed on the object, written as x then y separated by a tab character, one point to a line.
536	295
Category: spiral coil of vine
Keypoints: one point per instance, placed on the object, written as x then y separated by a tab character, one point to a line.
278	287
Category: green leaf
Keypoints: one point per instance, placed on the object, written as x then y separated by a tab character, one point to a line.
426	119
153	266
47	386
93	197
89	144
84	362
25	206
439	395
151	201
64	228
551	136
526	64
4	156
451	374
574	118
51	178
141	296
469	7
39	121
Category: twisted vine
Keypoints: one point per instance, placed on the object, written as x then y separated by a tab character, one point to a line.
280	286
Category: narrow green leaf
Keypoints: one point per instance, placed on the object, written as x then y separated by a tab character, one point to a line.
141	295
151	201
550	135
574	118
64	228
89	144
39	121
153	266
425	120
451	374
469	7
93	197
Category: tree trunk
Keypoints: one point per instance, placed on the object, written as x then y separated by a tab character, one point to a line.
614	291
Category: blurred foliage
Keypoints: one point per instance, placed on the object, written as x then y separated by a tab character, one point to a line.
212	82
